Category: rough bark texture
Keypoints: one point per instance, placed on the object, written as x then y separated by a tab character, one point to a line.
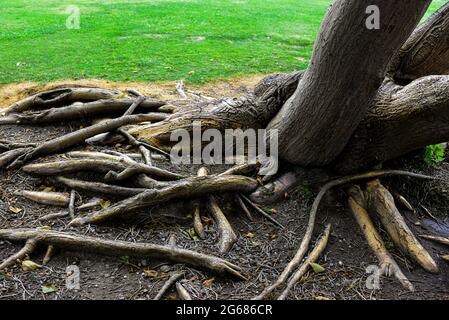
252	111
348	66
402	119
426	52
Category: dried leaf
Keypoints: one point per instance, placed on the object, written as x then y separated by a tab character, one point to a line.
28	265
49	288
151	273
15	209
193	234
208	283
105	203
250	235
317	268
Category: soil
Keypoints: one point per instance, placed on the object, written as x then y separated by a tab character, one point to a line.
263	250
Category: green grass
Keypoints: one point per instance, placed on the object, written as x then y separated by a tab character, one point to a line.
156	40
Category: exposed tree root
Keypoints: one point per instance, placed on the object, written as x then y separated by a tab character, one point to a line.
436	239
54	216
75	138
119	248
60	97
262	212
110	167
72	204
227	234
187	188
293	264
244	207
312	258
197	223
388	265
49	198
48	255
171	281
81	111
182	292
29	247
97	187
381	201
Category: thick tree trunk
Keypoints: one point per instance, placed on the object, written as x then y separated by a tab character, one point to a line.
348	66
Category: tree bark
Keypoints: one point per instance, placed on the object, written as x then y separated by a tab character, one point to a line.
402	119
426	52
348	66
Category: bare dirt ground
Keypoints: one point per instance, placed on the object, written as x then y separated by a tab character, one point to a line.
263	250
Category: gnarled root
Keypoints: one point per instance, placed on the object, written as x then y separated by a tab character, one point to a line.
119	248
187	188
227	234
312	258
171	281
293	264
80	111
29	247
389	267
74	138
382	202
60	97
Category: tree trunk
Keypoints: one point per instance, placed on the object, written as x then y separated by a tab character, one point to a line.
348	66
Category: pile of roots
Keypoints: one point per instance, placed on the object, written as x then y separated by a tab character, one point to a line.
136	179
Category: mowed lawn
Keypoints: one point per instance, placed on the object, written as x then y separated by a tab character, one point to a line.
157	40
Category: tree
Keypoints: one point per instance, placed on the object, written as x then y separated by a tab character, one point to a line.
369	95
